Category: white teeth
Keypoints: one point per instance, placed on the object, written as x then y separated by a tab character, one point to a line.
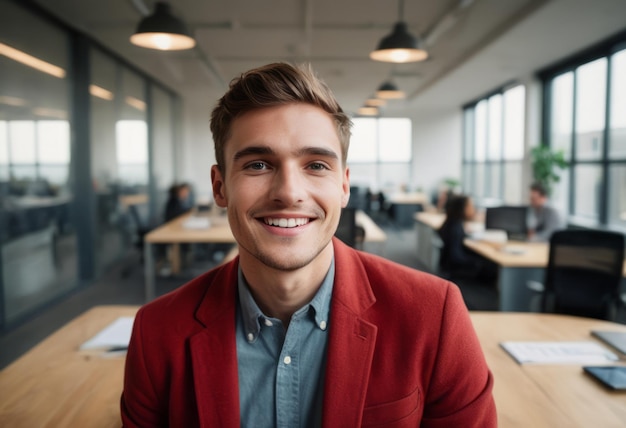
286	222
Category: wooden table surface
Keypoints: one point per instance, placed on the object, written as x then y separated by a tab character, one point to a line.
546	395
512	254
56	385
175	231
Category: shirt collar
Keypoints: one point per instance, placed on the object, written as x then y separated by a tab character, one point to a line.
253	316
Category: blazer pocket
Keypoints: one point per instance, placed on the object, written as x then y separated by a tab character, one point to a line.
403	412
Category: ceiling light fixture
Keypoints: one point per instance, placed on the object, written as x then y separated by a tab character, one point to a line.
400	46
31	61
162	31
368	111
375	102
100	92
135	103
389	91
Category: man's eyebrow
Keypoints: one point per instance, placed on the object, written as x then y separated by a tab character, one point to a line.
319	151
265	150
253	151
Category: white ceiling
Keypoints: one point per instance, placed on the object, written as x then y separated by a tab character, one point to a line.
474	45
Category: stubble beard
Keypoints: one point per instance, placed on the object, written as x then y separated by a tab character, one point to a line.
289	263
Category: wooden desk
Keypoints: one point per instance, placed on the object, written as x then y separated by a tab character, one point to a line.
413	198
373	234
56	385
546	395
516	270
404	205
135	199
175	232
426	225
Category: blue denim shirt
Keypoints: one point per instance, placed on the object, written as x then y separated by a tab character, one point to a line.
281	373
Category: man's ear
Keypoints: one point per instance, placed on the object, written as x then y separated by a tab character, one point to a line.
219	190
345	197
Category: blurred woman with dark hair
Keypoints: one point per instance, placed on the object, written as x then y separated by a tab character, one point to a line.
455	258
178	202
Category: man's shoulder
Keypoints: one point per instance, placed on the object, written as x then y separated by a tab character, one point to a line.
387	276
185	300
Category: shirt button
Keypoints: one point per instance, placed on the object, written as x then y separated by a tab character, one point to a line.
268	323
323	325
250	337
287	360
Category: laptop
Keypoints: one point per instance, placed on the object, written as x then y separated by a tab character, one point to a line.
616	339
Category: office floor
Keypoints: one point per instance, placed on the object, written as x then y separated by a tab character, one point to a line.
124	285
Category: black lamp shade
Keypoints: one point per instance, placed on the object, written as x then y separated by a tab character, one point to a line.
389	91
162	31
399	46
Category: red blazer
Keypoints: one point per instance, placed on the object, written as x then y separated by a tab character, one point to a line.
402	352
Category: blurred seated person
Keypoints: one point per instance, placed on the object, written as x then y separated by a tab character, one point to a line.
455	258
178	202
543	219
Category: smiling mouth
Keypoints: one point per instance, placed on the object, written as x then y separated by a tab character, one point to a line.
286	222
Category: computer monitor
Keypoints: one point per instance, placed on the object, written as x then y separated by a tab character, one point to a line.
511	219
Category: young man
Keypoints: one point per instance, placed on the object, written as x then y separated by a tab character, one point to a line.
300	330
544	219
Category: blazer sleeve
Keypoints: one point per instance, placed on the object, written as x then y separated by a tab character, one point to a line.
460	390
140	406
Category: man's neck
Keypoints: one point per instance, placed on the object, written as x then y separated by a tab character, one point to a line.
281	293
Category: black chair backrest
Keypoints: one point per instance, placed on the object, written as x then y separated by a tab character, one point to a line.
584	272
347	230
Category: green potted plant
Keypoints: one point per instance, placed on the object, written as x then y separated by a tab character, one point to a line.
545	162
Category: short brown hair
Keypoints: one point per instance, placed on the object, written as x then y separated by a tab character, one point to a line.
539	188
269	86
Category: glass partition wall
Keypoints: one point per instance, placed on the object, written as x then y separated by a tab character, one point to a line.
130	135
37	230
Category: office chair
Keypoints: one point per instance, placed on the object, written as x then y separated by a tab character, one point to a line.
140	223
584	273
347	230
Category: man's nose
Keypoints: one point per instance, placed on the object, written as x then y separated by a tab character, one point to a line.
288	185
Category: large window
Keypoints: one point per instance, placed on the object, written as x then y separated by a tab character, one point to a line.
586	118
493	146
380	153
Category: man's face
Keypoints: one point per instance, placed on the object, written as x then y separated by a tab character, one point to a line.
536	199
284	184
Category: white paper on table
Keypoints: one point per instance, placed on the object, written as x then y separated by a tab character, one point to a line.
578	352
115	335
197	223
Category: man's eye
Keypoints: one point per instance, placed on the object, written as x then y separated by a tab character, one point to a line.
317	166
257	166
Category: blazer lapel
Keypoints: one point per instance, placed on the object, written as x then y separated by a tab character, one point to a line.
214	354
350	352
352	341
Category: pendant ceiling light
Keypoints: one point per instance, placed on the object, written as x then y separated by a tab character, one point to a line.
368	111
389	91
400	46
162	31
375	102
